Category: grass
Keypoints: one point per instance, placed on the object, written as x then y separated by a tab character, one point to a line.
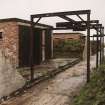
93	93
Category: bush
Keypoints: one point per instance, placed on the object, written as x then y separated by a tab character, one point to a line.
69	48
94	92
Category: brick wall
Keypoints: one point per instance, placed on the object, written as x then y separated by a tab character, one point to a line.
9	43
65	36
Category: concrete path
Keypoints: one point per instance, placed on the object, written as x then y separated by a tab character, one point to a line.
56	91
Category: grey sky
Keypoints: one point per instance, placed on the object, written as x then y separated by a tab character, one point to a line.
23	8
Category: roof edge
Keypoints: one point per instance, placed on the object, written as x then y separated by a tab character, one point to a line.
23	21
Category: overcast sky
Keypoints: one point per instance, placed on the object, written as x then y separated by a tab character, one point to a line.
24	8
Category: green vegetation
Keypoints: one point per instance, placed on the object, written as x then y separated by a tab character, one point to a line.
74	45
93	93
68	48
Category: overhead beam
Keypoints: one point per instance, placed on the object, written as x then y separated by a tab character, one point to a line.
79	23
70	27
80	18
64	24
96	26
80	12
68	24
74	28
62	28
67	18
37	20
91	21
95	35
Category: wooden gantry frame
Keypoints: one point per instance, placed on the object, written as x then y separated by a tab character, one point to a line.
100	45
71	24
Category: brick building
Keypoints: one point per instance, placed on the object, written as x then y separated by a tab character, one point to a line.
15	39
67	36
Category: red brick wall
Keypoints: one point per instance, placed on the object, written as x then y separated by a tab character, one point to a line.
65	36
10	40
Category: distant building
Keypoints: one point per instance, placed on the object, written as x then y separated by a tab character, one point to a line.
67	36
15	39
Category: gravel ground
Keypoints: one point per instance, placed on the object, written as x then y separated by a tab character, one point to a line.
56	91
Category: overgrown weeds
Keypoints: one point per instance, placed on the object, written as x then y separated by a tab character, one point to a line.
93	93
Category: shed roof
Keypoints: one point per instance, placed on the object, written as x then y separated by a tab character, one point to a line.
23	21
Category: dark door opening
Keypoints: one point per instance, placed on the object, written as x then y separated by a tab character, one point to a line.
37	51
24	46
48	44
